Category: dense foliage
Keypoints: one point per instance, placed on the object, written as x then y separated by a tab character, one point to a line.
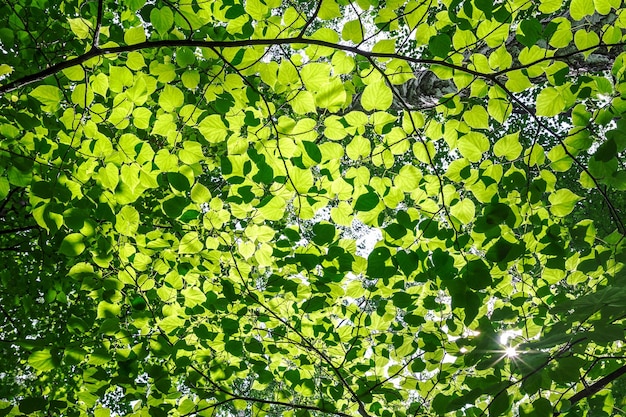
367	207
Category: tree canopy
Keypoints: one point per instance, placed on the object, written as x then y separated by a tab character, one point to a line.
336	207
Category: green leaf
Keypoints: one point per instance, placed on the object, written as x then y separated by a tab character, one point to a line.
331	95
508	146
43	360
42	189
314	304
329	9
193	296
173	207
5	69
531	31
353	31
500	404
464	211
503	251
162	19
190	79
49	95
254	346
377	96
235	11
142	117
477	117
440	45
473	145
580	9
586	40
396	231
408	178
178	181
200	194
313	151
500	108
408	262
82	28
477	275
171	98
127	221
376	262
440	404
190	243
72	245
138	303
550	6
563	202
272	208
28	405
323	233
4	187
402	299
550	102
135	35
366	202
486	6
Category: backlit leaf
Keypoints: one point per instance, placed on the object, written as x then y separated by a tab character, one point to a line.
377	96
162	19
550	102
508	147
49	95
72	245
43	360
473	145
134	35
562	202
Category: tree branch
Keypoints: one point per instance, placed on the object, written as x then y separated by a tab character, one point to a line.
311	19
96	34
174	43
596	386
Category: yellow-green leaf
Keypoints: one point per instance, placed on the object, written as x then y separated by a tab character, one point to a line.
42	360
464	210
190	243
171	98
81	27
49	95
550	102
352	31
127	221
508	147
581	8
135	35
72	245
473	145
5	69
563	202
377	96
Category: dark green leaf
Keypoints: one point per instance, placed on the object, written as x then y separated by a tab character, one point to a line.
366	202
323	233
440	45
313	151
178	181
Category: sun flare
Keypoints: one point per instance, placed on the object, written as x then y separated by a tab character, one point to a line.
510	352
